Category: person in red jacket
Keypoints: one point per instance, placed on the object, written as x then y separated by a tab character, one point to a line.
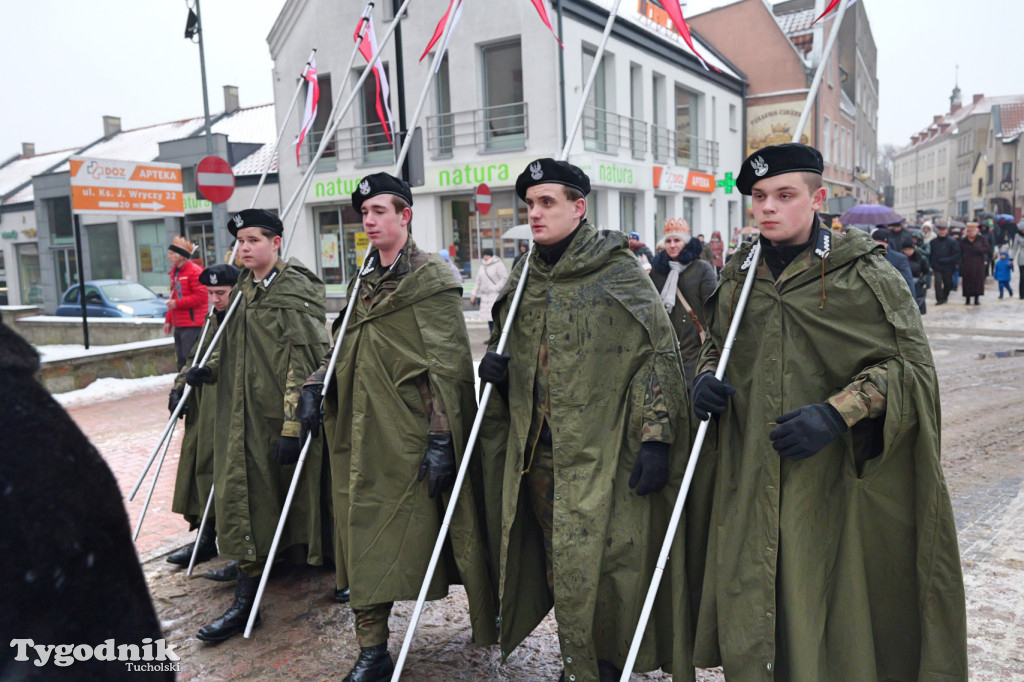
188	302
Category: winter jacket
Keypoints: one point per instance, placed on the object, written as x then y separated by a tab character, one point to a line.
190	297
1003	270
490	279
945	253
973	269
899	261
1017	250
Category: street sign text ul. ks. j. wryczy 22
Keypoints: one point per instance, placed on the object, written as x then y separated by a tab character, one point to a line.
110	186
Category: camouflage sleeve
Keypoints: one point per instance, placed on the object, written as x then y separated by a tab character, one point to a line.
179	381
317	378
656	423
864	397
292	388
433	406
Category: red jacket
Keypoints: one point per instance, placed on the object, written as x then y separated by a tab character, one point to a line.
191	296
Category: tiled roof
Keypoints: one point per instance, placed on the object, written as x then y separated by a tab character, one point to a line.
251	124
1011	119
982	106
21	170
794	23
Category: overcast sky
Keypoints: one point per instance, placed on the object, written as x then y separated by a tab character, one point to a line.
62	70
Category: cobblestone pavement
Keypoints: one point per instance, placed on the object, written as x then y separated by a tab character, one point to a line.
306	636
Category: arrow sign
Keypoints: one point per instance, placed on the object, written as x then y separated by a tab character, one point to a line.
483	199
215	180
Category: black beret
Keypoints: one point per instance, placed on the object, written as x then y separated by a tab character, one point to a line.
219	275
791	157
380	183
255	217
543	171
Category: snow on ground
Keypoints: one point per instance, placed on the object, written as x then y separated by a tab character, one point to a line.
112	389
77	350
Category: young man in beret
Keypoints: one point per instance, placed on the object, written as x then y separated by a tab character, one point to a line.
273	340
585	440
398	415
195	465
832	552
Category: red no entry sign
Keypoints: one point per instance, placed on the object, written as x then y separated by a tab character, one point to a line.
215	180
483	199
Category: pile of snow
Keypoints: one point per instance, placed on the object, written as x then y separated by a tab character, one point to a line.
112	389
77	350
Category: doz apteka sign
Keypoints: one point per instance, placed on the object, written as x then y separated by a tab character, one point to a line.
125	187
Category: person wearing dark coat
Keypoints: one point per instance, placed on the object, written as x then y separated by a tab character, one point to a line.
921	271
685	281
895	258
975	251
70	574
944	259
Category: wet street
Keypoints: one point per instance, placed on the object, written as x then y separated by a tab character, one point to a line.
979	354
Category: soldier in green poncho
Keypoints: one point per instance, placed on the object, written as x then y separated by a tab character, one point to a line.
585	442
833	551
398	414
273	340
195	464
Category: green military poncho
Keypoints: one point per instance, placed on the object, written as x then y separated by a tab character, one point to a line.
273	341
844	565
607	336
195	463
377	425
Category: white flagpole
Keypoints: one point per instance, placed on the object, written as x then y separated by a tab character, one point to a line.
486	395
691	465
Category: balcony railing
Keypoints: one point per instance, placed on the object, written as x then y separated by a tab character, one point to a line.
495	128
367	145
606	131
684	150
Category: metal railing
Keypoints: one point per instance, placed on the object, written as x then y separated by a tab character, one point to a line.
498	127
683	150
606	131
367	145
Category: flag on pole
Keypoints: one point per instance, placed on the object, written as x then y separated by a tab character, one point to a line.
439	29
367	48
312	98
831	6
675	13
448	38
539	5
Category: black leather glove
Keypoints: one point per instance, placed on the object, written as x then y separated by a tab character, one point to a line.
439	463
651	468
288	449
494	367
197	376
172	403
710	396
806	430
308	410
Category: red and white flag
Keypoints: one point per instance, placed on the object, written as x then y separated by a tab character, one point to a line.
439	29
831	6
312	98
367	48
539	5
675	13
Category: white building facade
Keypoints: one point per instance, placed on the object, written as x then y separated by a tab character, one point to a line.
658	134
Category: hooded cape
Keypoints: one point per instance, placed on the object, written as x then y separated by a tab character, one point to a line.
273	341
606	333
844	565
377	427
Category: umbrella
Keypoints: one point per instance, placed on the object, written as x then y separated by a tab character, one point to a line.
870	214
518	232
1007	217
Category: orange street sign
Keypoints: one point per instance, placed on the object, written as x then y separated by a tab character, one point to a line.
700	182
110	186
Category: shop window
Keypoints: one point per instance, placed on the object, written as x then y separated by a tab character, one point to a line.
65	263
627	212
343	244
30	276
58	217
201	233
151	254
104	251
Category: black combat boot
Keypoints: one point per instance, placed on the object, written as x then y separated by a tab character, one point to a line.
225	574
608	672
373	665
234	619
342	596
207	548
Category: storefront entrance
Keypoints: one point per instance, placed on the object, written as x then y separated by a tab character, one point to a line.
151	252
471	233
29	276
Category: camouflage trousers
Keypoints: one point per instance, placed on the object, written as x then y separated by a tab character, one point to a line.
372	624
540	482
